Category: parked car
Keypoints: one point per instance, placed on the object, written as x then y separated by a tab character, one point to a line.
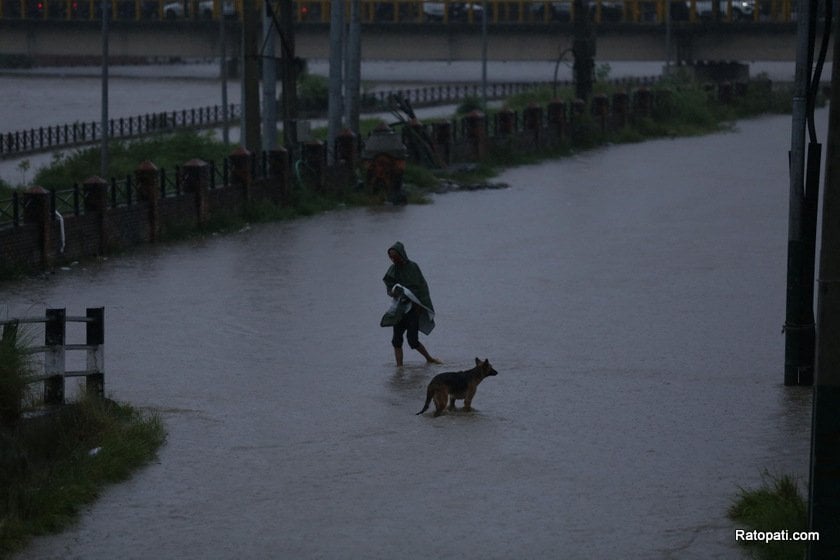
562	11
458	11
180	9
741	9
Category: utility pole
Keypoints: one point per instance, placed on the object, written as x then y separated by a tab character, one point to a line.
336	58
799	315
103	156
287	43
824	490
223	73
583	48
352	82
269	80
250	78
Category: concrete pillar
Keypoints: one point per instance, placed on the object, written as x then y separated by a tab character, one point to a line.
147	177
36	210
314	157
442	133
280	172
620	109
557	117
643	103
505	122
95	198
240	170
475	123
532	118
197	182
346	149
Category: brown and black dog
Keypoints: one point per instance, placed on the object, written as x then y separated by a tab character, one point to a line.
456	385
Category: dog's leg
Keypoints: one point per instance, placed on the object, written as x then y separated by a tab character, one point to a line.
451	402
468	399
440	401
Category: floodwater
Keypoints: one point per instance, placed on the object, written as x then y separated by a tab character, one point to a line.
631	299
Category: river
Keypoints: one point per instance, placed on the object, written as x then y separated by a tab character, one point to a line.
631	299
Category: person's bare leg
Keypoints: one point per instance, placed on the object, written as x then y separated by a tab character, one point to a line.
398	354
422	349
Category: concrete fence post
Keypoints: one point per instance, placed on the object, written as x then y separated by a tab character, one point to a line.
476	124
601	110
643	103
505	122
147	176
279	170
620	109
196	182
240	170
314	156
36	210
532	118
442	134
95	198
557	117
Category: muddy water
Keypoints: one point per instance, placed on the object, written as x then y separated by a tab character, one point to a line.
631	299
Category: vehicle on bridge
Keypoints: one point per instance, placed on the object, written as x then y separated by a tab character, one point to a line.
419	11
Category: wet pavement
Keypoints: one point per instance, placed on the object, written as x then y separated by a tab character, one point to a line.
631	299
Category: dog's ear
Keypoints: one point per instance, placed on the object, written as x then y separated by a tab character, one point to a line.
477	362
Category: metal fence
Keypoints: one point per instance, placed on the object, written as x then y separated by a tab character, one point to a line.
22	142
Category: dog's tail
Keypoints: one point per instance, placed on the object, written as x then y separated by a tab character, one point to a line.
429	394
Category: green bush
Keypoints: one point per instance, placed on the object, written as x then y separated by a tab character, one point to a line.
776	506
166	151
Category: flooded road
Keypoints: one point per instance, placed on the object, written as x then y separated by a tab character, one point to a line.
631	299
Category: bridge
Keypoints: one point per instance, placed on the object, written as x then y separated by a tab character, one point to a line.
70	30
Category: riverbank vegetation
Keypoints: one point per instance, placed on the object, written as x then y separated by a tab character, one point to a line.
53	462
776	505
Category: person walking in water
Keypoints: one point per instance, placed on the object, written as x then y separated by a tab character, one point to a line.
412	311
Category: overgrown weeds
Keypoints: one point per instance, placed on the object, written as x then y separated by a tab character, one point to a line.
775	506
53	461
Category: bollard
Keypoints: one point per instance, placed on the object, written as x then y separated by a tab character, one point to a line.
147	177
196	175
384	161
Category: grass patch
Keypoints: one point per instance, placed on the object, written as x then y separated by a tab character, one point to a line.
53	463
776	506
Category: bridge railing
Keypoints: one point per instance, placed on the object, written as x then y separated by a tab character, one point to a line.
416	11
